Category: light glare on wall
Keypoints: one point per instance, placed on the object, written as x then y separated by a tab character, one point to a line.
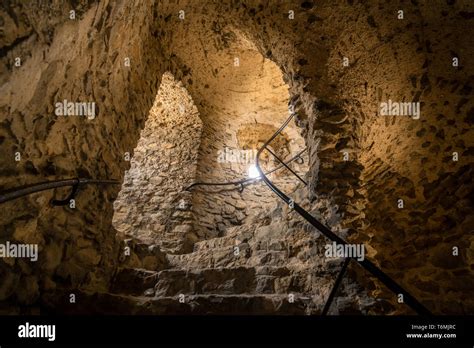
253	172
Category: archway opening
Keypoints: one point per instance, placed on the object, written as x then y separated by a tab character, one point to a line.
247	102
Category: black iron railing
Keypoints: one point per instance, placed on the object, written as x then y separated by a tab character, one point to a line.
241	183
75	183
391	284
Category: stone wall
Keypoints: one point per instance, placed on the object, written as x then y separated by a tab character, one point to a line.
81	60
390	158
399	157
152	205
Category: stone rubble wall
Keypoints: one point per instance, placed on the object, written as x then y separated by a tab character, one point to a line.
80	60
152	205
390	158
394	158
219	208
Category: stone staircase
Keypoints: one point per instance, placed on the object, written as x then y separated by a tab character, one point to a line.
231	290
200	304
264	267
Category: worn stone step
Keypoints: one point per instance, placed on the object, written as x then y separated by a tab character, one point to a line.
246	231
173	246
217	243
236	280
228	257
241	304
142	255
268	257
133	281
270	233
201	281
211	258
170	243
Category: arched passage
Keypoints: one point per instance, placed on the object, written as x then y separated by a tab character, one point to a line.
241	103
248	94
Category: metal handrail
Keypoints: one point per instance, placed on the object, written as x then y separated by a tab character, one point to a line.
25	190
286	166
248	180
391	284
336	285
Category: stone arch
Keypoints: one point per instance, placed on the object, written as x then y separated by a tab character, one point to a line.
252	93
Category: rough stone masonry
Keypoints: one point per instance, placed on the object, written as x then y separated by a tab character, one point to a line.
173	83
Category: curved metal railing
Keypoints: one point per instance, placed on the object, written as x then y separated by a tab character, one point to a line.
391	284
248	181
25	190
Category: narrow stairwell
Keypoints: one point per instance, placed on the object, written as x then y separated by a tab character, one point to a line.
271	265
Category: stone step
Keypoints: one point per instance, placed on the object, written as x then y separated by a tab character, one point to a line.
269	257
211	280
170	243
227	256
270	233
263	279
142	255
174	246
238	280
133	281
220	242
211	258
241	230
111	304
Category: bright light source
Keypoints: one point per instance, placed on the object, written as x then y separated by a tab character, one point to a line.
253	172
